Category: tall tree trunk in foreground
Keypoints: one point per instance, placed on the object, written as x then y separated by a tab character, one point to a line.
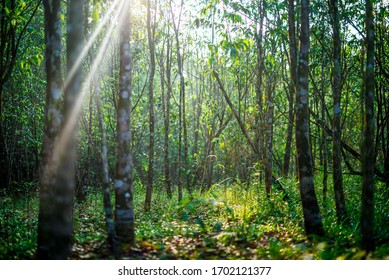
52	12
312	219
57	181
368	155
124	205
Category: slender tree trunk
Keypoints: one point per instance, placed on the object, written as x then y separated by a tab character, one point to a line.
337	132
196	131
167	118
182	113
324	147
269	134
260	119
292	84
236	115
312	218
104	163
150	175
90	121
106	190
368	155
166	111
124	204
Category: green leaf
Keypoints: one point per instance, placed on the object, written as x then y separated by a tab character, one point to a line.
233	52
96	12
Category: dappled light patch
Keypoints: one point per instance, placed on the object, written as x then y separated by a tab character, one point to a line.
229	223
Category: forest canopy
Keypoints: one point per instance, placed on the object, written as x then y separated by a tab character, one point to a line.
193	129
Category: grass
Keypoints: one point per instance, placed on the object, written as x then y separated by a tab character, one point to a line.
235	221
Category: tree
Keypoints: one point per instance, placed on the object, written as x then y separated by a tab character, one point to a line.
260	119
57	182
337	130
368	151
182	106
166	71
104	162
151	41
292	83
124	205
311	211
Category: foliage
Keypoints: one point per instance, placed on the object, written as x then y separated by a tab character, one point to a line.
229	221
232	218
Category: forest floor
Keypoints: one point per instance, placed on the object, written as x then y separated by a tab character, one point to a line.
229	222
226	223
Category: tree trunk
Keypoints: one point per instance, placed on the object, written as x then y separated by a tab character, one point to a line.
150	175
292	84
104	163
124	205
46	234
269	134
236	115
368	155
324	147
166	111
182	106
260	119
312	218
55	227
167	118
337	132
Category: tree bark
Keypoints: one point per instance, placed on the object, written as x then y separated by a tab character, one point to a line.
166	112
269	133
182	106
292	84
53	34
106	190
312	218
260	119
150	174
324	147
124	205
337	130
368	155
55	227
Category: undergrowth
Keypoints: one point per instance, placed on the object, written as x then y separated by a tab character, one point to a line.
234	221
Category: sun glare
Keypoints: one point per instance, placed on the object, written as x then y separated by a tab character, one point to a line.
70	125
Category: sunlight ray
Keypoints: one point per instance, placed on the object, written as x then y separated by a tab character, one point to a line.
71	123
90	41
